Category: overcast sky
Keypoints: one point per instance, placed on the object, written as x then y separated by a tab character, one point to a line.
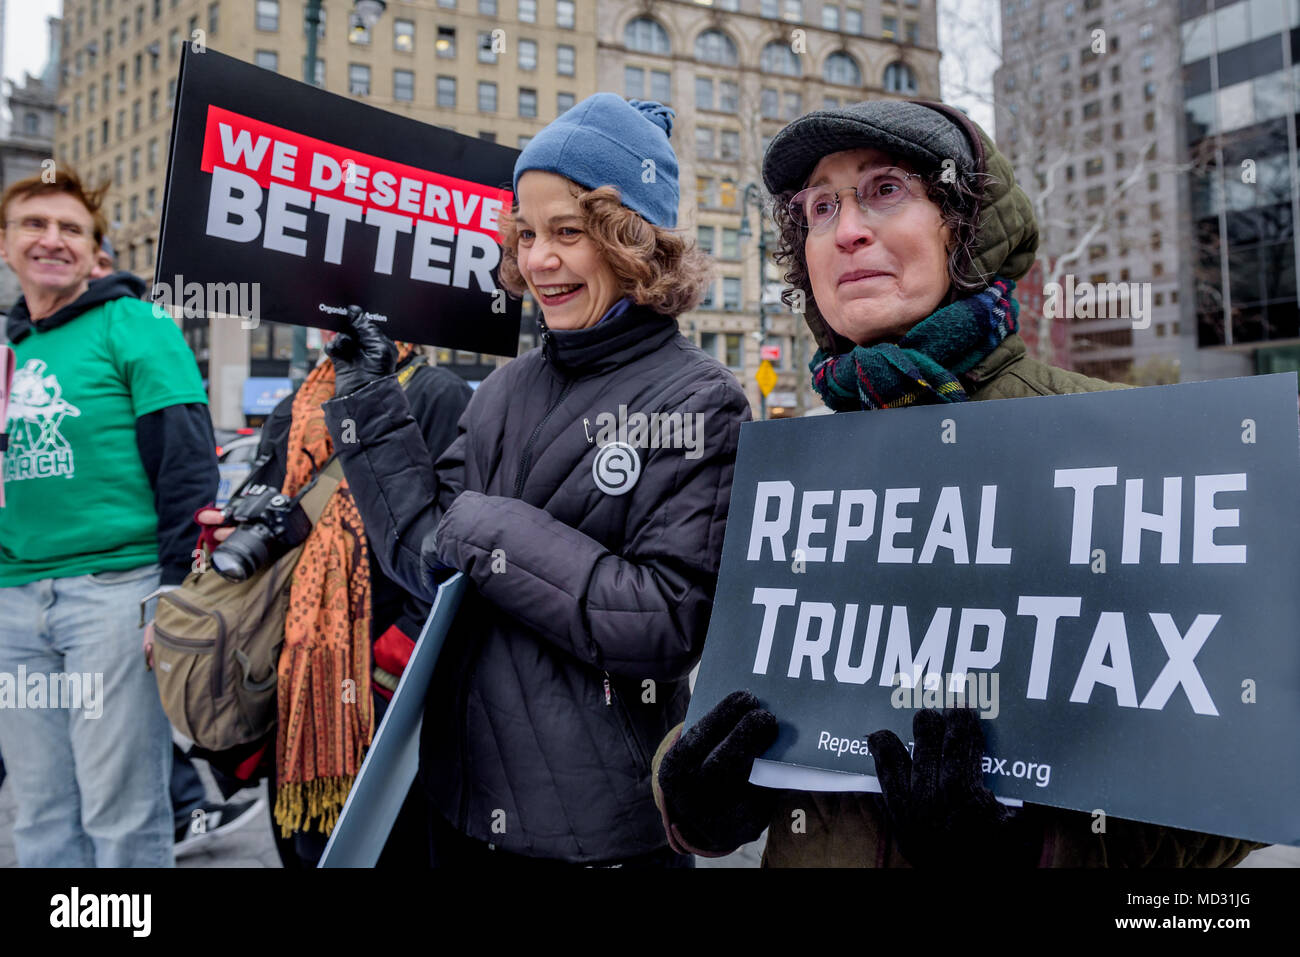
25	37
968	39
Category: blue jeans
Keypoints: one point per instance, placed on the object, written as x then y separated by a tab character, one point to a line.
91	776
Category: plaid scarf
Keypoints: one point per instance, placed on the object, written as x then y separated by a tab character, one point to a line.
326	712
923	367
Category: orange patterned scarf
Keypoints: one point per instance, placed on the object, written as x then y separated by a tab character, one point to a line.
326	712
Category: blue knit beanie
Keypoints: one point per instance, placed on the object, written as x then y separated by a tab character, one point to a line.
608	141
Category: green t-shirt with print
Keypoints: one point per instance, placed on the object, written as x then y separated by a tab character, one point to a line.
77	498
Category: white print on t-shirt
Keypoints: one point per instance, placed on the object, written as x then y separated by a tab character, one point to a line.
37	449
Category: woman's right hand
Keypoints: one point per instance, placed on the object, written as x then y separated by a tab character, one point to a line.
360	353
212	518
704	777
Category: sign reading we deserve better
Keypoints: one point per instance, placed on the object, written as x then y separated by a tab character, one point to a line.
288	203
1111	579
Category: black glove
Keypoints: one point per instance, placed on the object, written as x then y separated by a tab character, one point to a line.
361	354
942	814
705	776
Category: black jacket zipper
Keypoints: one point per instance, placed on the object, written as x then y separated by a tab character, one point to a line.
526	459
525	463
629	729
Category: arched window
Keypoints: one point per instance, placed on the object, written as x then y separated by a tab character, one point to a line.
714	46
31	124
899	78
842	69
777	57
645	35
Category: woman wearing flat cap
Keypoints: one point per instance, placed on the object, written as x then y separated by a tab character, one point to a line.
592	561
903	230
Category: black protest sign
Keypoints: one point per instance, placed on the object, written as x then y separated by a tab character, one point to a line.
1109	578
288	203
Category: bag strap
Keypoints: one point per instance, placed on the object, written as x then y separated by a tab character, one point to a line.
407	372
322	486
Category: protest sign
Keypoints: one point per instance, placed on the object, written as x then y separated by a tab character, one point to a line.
1109	578
287	203
391	763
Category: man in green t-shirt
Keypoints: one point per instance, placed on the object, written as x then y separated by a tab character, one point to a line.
110	452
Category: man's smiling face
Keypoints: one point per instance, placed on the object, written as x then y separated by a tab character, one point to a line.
53	264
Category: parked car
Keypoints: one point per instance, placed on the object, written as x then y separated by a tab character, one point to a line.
235	460
225	437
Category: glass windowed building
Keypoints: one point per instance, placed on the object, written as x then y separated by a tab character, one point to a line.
1241	87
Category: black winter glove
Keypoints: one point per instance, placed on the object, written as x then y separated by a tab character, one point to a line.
705	776
942	814
361	354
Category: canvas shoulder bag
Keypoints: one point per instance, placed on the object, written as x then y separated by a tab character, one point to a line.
217	642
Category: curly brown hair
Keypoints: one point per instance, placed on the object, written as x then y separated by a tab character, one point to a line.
958	203
655	267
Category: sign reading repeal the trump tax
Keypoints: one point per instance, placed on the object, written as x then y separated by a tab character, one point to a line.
1110	579
288	203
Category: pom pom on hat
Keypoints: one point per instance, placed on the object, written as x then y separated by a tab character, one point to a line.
608	141
660	114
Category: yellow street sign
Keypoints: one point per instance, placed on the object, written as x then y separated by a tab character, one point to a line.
766	377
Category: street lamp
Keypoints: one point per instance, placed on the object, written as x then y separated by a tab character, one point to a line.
367	12
753	194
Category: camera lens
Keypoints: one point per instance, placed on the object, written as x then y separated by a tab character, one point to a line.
242	554
230	566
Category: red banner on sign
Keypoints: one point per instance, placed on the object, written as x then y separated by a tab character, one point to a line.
273	155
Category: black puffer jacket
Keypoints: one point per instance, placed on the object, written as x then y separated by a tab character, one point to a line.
568	661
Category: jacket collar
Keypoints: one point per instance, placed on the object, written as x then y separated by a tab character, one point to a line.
1011	349
613	342
19	324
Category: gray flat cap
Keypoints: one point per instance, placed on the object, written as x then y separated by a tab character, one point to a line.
905	129
924	133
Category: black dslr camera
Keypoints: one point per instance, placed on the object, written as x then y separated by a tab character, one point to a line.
268	524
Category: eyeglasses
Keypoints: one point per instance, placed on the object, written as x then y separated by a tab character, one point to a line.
39	225
879	190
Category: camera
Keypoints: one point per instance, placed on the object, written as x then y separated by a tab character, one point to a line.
268	524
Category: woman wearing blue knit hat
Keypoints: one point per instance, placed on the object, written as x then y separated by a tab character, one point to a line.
585	499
